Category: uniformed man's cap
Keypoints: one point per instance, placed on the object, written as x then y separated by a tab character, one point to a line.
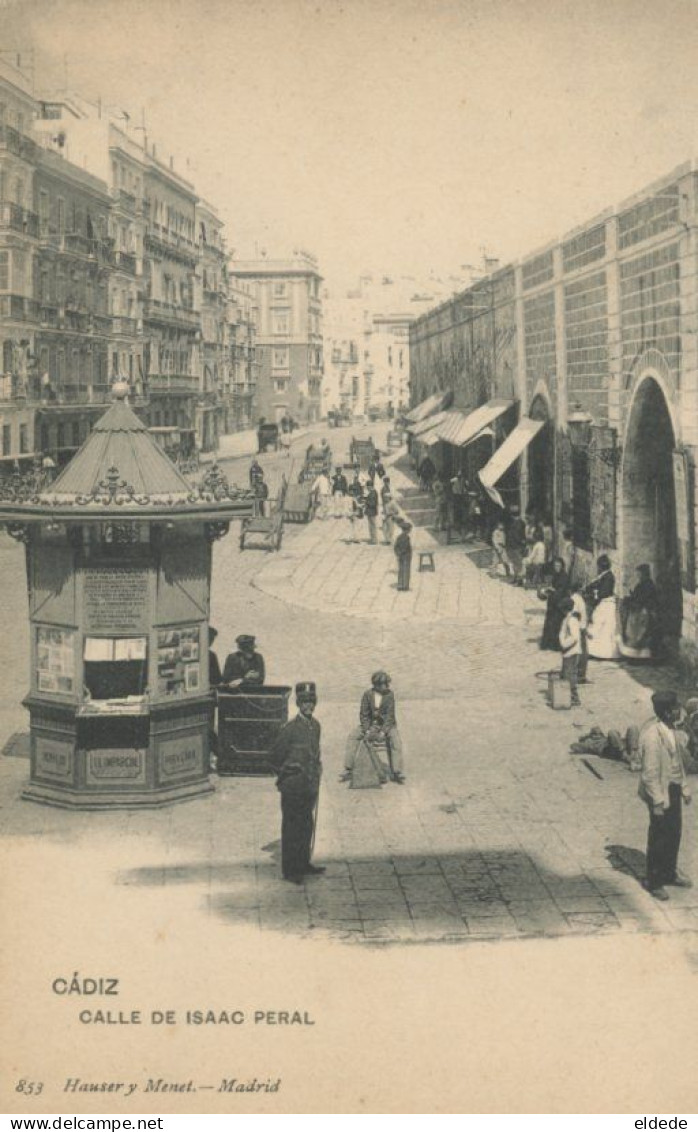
380	678
306	690
663	702
245	641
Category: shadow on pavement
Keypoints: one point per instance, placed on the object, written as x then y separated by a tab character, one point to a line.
487	894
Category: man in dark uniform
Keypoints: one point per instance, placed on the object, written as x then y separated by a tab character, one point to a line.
244	667
296	750
214	668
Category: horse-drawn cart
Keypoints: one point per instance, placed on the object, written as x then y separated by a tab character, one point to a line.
266	530
362	452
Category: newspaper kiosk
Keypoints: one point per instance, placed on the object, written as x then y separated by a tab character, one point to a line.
119	553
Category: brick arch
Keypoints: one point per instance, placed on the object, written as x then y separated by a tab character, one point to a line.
652	364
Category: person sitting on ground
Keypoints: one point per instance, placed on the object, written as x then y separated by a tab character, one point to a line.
377	724
245	667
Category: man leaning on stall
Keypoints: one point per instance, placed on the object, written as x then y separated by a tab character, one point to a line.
245	667
296	751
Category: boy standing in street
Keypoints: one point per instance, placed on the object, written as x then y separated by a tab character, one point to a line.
571	645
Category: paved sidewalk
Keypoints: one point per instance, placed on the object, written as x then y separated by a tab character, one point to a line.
324	570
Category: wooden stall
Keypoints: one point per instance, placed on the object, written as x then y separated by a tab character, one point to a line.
119	552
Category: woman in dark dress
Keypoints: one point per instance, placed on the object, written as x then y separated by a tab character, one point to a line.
639	617
556	590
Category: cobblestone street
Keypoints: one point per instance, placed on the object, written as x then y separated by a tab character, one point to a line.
498	832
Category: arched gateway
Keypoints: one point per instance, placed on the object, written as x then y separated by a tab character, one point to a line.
541	461
648	502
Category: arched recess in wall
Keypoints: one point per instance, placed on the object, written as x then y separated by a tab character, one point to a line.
647	500
540	486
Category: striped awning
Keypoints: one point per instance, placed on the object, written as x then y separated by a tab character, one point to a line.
424	426
433	404
479	419
515	444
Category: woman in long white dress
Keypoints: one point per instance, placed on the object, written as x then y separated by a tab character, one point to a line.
602	634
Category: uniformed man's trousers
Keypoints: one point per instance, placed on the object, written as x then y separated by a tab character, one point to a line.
297	823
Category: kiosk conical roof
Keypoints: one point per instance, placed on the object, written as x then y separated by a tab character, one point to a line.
120	441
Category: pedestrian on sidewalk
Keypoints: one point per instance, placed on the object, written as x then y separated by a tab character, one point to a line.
403	552
664	789
516	544
296	750
377	725
339	493
386	490
441	502
391	514
371	511
554	594
427	471
380	467
356	495
580	606
571	645
534	559
321	492
499	546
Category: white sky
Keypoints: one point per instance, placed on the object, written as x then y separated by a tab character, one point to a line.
389	135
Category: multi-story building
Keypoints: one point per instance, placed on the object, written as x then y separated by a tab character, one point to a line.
172	324
289	337
582	364
243	356
212	301
19	383
73	272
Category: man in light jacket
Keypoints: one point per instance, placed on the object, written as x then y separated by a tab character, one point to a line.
664	789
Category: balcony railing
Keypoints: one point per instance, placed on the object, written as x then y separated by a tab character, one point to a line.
162	239
173	383
74	318
19	308
171	314
122	324
82	395
18	219
75	243
17	143
125	261
125	199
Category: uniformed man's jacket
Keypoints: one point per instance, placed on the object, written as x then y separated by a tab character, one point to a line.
382	715
402	545
296	750
237	666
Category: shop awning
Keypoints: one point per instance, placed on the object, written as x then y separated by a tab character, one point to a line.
450	425
433	404
478	420
516	442
421	427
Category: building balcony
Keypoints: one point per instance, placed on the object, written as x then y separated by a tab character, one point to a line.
76	394
163	242
17	143
182	383
215	296
122	324
18	219
75	319
125	261
171	315
77	244
126	200
19	308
